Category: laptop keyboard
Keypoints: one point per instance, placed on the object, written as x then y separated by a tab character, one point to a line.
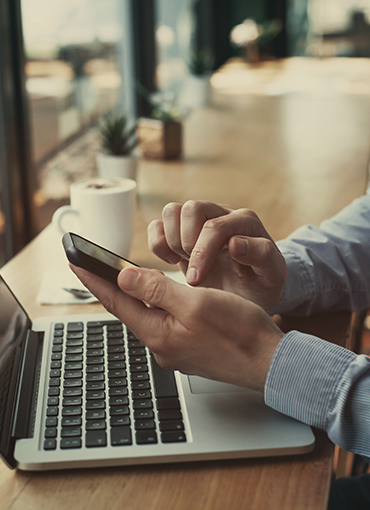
102	393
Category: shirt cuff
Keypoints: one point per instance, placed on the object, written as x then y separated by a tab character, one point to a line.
303	377
300	284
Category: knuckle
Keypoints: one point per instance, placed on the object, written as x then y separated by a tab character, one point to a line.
248	213
170	209
191	207
155	289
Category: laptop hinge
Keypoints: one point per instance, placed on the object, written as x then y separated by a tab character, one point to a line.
25	398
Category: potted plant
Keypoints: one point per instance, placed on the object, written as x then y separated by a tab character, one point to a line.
118	142
160	137
197	86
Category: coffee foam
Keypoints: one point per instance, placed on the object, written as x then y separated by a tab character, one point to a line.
104	186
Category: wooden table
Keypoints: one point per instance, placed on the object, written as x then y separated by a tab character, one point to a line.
294	158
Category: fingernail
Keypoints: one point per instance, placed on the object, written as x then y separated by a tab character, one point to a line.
191	275
172	258
241	246
128	278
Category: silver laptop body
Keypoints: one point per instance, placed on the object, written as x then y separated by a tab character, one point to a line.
82	391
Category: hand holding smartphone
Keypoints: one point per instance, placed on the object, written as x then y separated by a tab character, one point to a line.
94	258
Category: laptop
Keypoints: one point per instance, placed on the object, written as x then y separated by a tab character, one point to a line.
82	391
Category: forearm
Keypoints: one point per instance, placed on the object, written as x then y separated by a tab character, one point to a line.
329	266
323	385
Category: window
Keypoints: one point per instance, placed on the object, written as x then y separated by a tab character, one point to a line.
78	68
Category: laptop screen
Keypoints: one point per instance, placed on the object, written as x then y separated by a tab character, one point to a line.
14	323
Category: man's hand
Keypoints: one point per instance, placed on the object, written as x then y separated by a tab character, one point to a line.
221	248
199	331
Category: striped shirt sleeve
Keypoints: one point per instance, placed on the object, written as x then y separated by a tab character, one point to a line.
329	266
323	385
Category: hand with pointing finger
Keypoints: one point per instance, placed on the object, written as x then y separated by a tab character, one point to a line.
199	331
218	247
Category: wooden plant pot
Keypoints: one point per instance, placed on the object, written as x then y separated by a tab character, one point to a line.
160	140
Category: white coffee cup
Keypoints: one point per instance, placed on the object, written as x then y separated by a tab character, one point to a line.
103	211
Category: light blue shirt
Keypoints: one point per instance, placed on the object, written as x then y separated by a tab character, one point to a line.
312	380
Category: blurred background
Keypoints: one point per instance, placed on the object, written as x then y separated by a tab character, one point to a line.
65	63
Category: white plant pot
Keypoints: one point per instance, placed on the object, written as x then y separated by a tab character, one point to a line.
122	167
196	91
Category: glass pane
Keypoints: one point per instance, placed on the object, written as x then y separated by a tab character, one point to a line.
74	74
2	235
174	33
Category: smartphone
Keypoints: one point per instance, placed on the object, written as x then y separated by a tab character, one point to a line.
94	258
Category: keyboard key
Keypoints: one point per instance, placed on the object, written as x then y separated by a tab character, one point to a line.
117	382
95	345
96	438
96	360
141	394
75	336
50	444
52	411
96	425
97	414
95	404
72	401
119	410
50	432
59	325
113	365
94	368
72	374
95	395
142	404
118	390
95	377
95	352
117	373
72	383
168	403
75	326
116	421
54	391
72	392
95	385
73	350
146	437
71	432
54	382
72	357
55	372
94	338
53	401
173	437
140	385
73	442
120	436
143	367
171	425
55	364
75	343
140	376
71	422
170	414
144	424
164	381
71	411
118	400
143	413
77	365
52	421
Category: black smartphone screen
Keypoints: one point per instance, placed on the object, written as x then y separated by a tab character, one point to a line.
94	258
100	253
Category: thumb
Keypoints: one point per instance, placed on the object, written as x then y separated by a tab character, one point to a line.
154	288
259	253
